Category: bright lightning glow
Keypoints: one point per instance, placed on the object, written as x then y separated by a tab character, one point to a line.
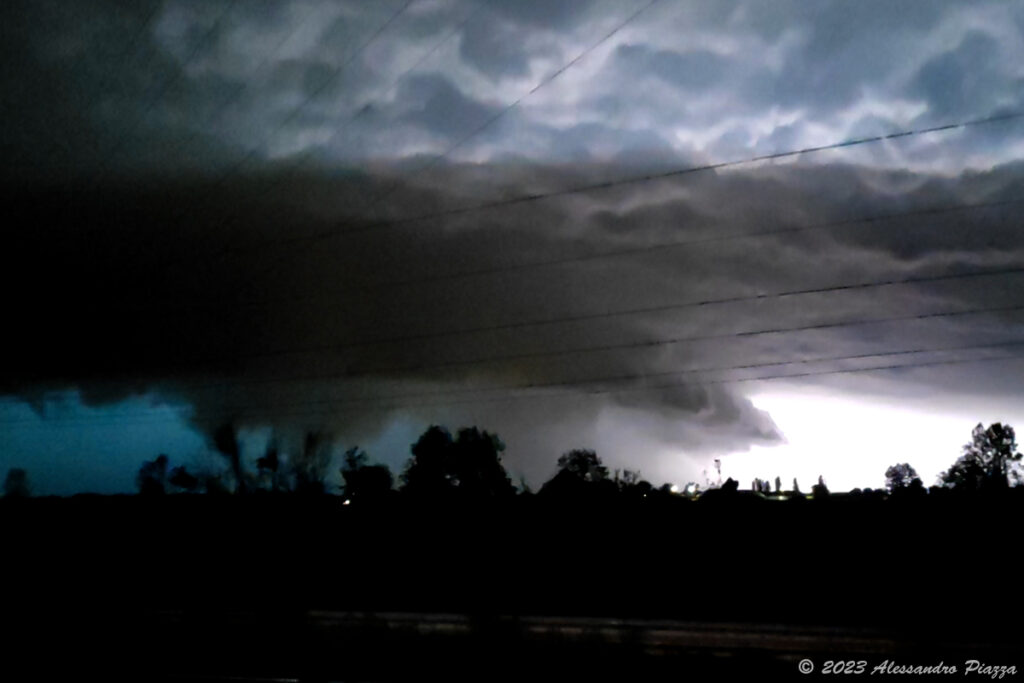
851	441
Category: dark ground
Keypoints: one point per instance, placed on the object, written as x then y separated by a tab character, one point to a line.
264	587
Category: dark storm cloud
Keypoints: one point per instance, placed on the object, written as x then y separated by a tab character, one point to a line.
542	14
496	48
435	104
106	87
505	36
211	331
972	76
697	70
147	157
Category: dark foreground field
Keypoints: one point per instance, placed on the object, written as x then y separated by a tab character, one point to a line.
207	588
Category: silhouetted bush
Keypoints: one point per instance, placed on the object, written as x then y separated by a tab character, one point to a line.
152	477
820	490
181	479
16	484
364	482
582	476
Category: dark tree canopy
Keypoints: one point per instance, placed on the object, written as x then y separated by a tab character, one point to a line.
581	475
478	468
986	460
363	481
468	466
901	476
583	464
427	473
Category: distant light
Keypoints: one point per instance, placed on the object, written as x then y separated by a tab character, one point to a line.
673	488
347	501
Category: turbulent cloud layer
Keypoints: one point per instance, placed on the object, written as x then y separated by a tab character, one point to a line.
201	86
184	173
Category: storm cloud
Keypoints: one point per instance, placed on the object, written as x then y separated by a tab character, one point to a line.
301	214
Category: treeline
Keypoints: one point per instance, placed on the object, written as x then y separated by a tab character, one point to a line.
467	466
443	467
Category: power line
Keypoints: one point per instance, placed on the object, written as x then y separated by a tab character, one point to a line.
122	55
505	110
362	404
237	92
373	201
309	98
636	311
295	111
334	233
600	348
632	377
598	256
664	308
844	371
312	95
207	35
235	95
654	343
393	84
654	248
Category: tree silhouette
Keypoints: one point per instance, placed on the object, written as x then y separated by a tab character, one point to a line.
152	476
181	479
312	464
986	460
726	493
269	466
468	466
225	440
364	482
627	478
820	490
901	476
16	484
427	474
583	464
631	485
582	475
477	465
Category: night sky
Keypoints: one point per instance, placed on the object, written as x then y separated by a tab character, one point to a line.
365	218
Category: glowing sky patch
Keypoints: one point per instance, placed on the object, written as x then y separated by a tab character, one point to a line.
851	440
